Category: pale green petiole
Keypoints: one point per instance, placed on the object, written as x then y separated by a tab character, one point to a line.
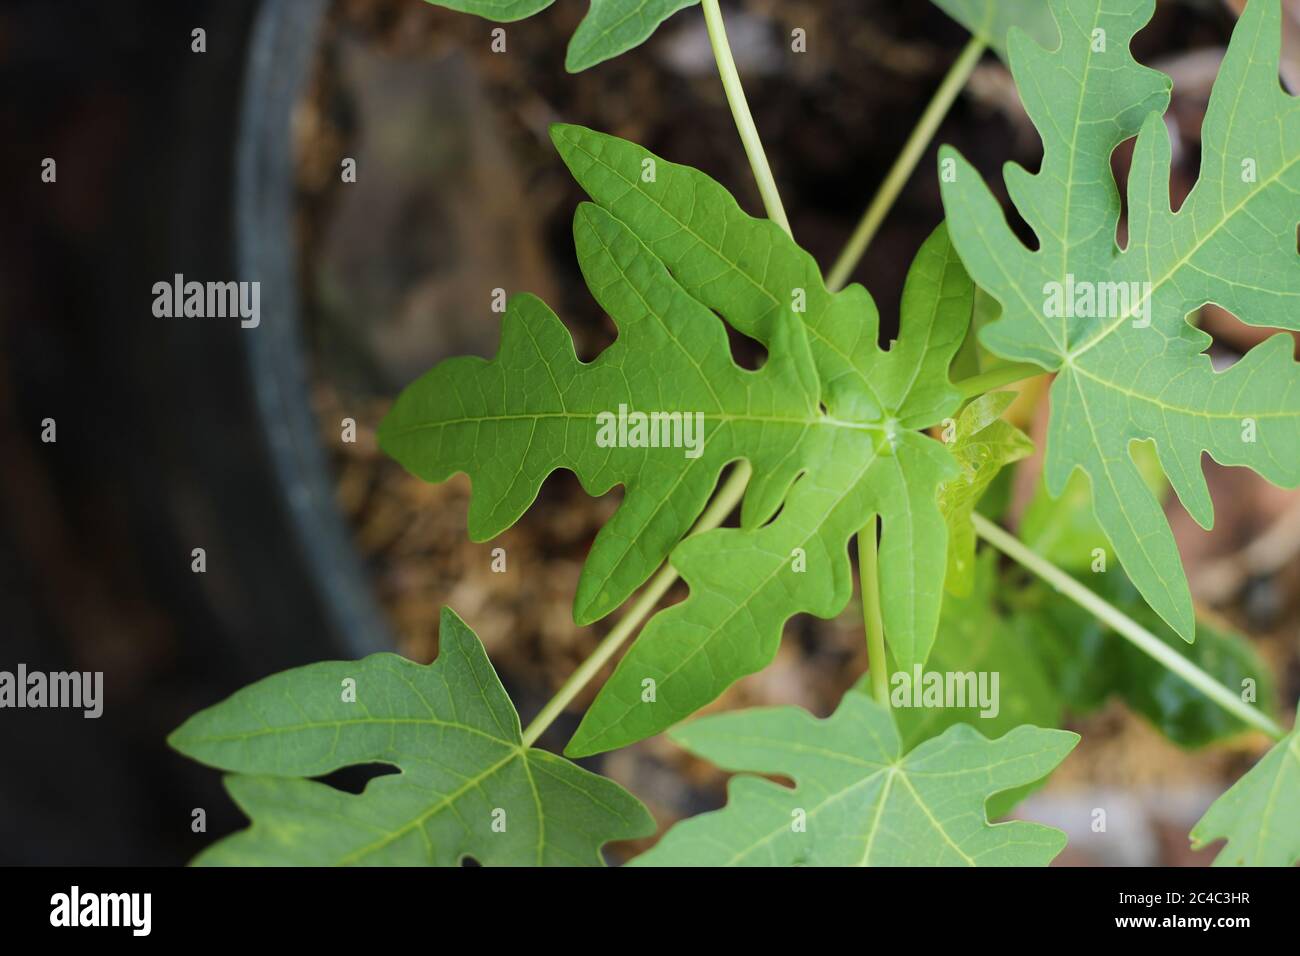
871	618
905	164
1108	614
744	119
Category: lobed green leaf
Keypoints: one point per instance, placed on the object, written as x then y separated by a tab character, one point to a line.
830	424
746	583
467	787
857	799
1130	367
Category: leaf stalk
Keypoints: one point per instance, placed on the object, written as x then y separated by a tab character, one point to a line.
906	162
740	111
868	573
1124	625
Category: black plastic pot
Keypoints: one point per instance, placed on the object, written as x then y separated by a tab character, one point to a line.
172	433
279	56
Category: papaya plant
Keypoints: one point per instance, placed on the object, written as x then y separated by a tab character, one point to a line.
905	450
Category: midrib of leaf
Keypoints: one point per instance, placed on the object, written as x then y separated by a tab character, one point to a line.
1293	748
603	34
447	801
1236	102
321	724
537	802
925	808
720	417
1072	357
830	799
735	267
1066	247
895	770
880	812
1182	410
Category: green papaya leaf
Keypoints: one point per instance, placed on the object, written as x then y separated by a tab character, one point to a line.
831	424
858	800
610	27
992	20
745	583
983	444
1111	321
1259	816
468	787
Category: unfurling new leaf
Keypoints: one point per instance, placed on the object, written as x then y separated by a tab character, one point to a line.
983	444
